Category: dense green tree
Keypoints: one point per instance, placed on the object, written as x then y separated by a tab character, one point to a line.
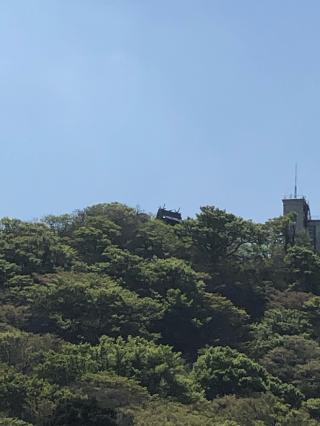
312	406
27	397
92	239
278	235
127	219
295	360
82	412
84	307
291	353
260	409
275	324
192	317
162	275
33	247
207	319
222	370
288	299
155	238
64	368
21	349
216	235
63	225
312	309
113	391
156	367
121	265
307	378
7	270
304	269
160	412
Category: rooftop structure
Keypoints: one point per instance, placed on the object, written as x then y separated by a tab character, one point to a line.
172	217
303	222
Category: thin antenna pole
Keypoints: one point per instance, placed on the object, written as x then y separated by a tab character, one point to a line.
296	181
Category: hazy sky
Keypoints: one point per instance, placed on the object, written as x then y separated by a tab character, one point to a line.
183	102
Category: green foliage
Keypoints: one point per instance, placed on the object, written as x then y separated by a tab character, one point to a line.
284	322
162	275
6	421
155	367
120	264
288	299
64	368
307	378
260	409
275	324
84	307
126	219
291	353
217	235
155	239
222	370
82	412
312	406
92	239
32	248
109	316
113	391
304	269
164	413
7	271
312	309
25	397
192	317
19	349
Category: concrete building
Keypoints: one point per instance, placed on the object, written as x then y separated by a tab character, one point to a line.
303	222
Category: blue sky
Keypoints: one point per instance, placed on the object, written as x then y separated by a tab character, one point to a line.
147	102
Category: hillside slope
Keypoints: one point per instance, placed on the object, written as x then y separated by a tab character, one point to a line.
112	317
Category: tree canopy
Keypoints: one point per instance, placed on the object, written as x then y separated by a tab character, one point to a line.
110	316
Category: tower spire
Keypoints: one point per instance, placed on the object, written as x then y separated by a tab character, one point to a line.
296	181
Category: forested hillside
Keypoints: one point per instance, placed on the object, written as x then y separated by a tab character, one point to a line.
112	317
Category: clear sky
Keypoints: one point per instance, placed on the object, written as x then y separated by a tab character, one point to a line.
183	102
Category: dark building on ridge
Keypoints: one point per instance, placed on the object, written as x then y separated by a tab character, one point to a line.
171	217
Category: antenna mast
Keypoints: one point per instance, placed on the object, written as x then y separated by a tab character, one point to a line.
296	181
